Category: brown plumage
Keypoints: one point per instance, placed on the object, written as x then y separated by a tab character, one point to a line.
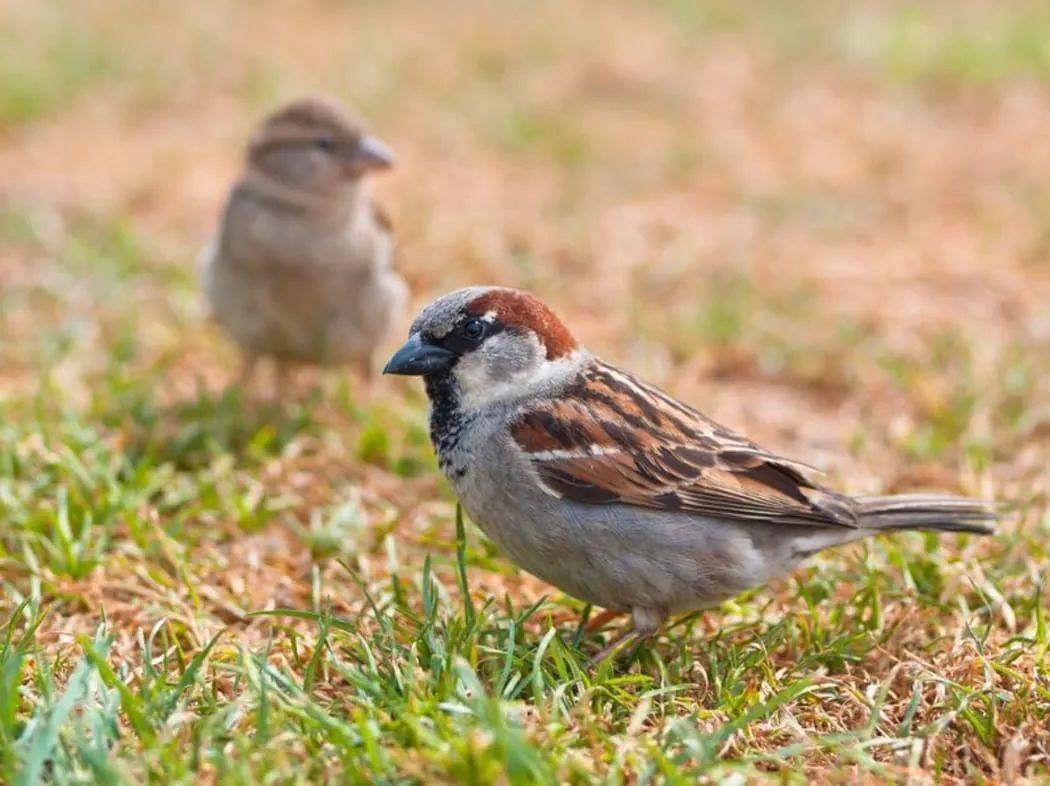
613	438
527	313
301	267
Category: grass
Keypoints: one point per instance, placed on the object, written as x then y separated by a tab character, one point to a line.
73	59
416	680
825	227
919	47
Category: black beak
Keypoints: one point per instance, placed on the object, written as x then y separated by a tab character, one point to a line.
417	358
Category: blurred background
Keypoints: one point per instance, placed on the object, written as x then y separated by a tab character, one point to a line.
804	199
826	224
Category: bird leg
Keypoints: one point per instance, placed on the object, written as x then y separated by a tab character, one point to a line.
281	380
365	373
625	636
249	364
248	367
645	622
365	369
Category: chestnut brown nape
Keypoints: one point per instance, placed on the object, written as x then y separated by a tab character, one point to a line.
520	309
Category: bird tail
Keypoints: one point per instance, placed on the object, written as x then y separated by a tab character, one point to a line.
926	511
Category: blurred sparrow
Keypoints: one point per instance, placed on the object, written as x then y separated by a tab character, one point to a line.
300	268
610	489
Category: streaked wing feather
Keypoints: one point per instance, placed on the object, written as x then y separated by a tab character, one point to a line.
613	438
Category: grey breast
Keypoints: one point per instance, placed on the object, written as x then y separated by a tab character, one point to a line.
616	556
291	283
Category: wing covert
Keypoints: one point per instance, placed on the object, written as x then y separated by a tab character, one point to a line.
612	438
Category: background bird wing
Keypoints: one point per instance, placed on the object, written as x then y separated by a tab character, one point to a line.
615	439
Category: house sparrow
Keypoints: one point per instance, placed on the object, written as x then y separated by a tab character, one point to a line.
300	269
607	487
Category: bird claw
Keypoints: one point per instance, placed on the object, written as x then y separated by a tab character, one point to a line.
618	643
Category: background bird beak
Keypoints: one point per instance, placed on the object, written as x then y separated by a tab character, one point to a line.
370	153
417	358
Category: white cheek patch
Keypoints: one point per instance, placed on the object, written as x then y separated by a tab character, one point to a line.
553	372
501	366
508	367
473	378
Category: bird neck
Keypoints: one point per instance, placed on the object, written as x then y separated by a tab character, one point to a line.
340	201
447	420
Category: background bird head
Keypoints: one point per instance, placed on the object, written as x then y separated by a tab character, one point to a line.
312	145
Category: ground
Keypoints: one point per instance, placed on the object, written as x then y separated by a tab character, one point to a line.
824	224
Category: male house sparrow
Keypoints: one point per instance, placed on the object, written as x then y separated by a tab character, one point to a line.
607	487
300	269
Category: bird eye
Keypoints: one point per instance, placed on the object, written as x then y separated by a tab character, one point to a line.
474	329
326	144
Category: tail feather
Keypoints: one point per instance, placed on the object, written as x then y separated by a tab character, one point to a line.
926	511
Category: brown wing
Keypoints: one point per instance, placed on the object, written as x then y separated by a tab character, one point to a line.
613	438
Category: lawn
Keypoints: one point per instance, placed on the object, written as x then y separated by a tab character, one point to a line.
824	224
